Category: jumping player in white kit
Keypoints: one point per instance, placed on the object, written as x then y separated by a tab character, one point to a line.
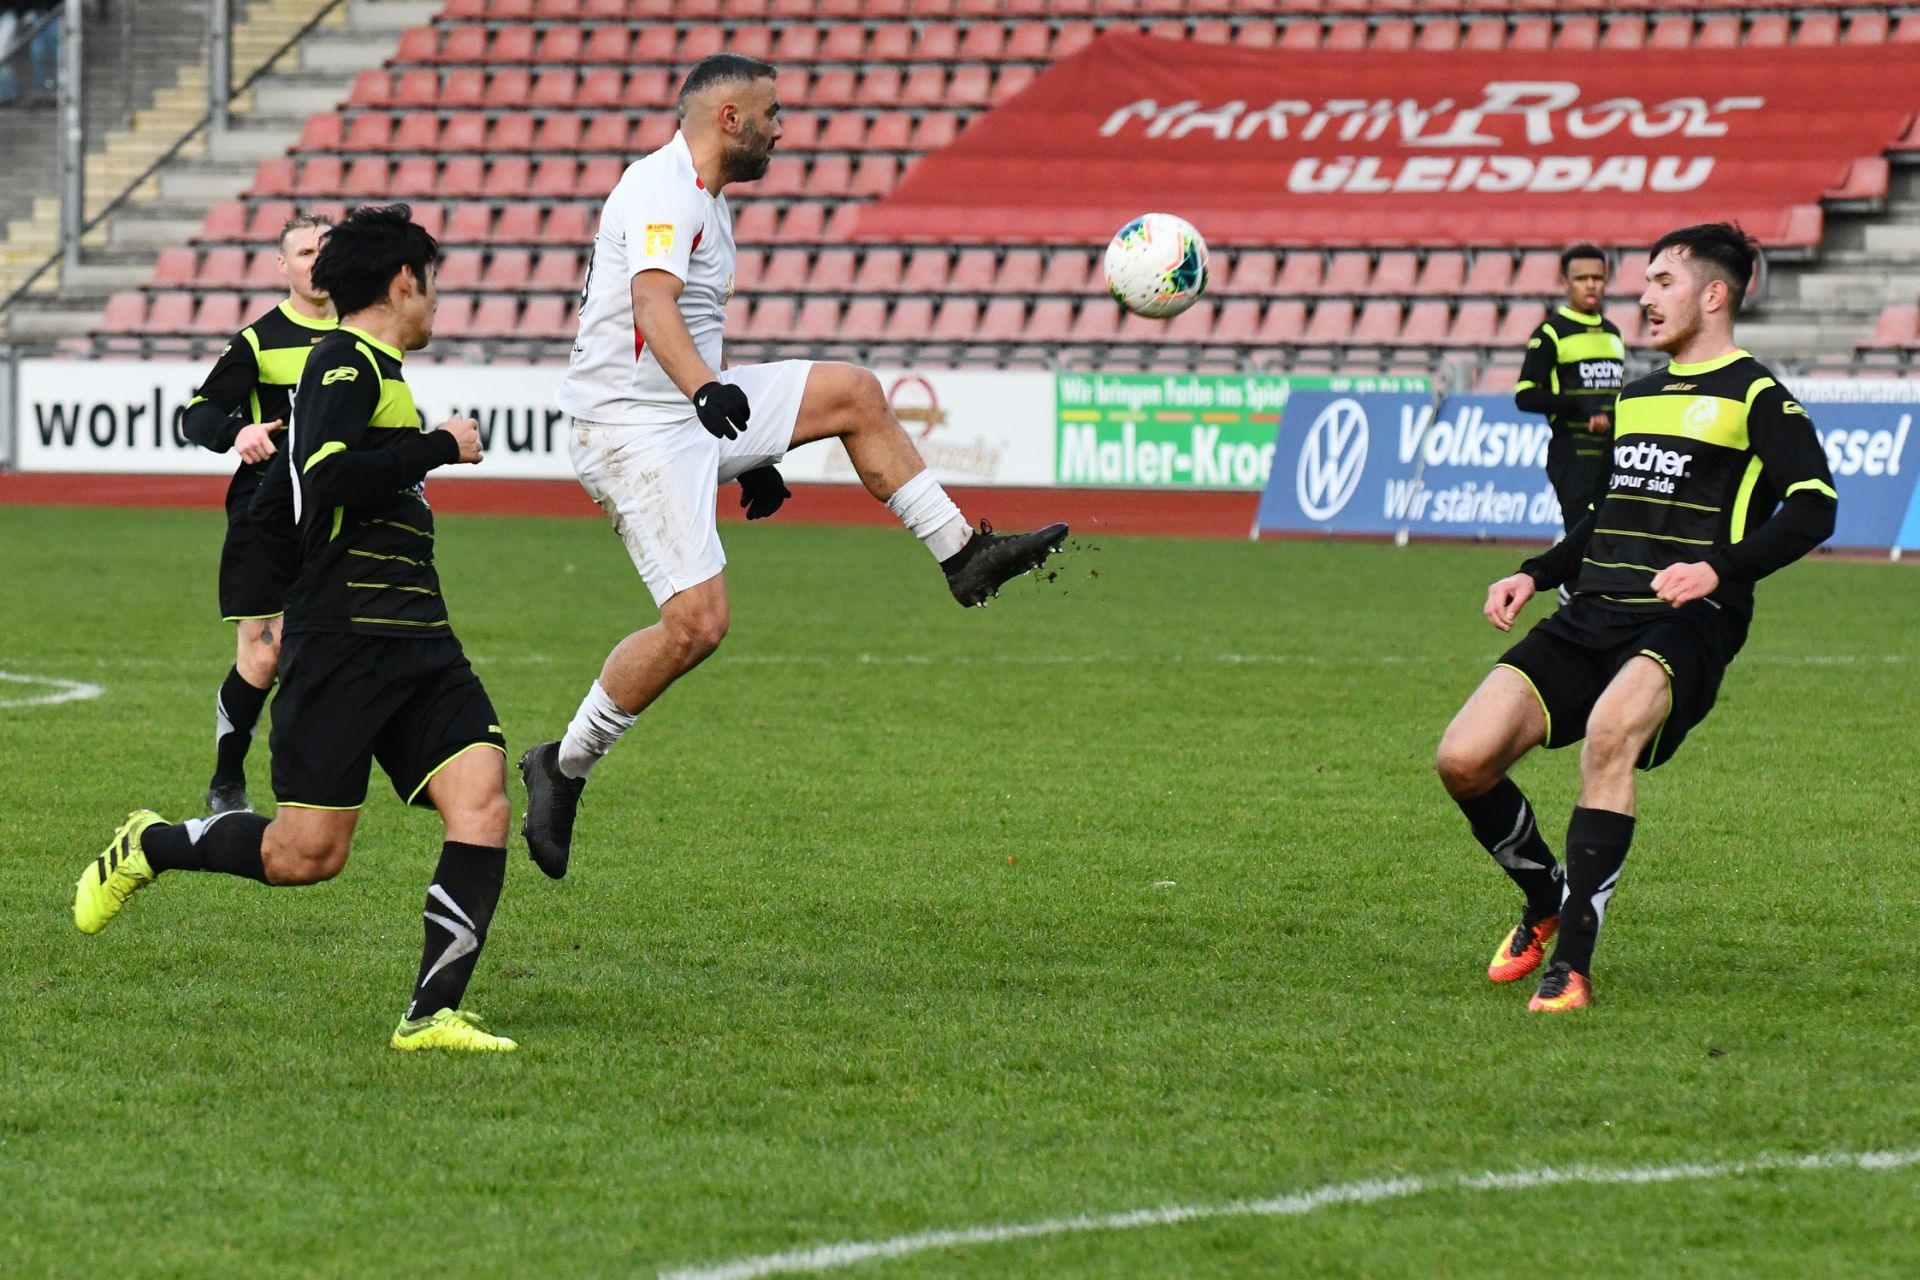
659	423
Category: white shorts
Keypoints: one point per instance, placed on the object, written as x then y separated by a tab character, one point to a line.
659	481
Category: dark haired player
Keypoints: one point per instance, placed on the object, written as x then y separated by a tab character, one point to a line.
1718	480
1574	366
659	422
242	406
369	666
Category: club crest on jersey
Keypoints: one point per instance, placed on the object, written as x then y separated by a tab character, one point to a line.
1702	413
659	241
345	373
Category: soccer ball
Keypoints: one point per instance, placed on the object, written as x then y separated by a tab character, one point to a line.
1157	266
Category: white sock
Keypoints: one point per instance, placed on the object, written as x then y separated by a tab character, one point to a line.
924	507
596	726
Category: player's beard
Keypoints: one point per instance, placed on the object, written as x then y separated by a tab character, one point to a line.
748	161
1676	335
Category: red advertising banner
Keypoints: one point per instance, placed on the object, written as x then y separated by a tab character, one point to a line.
1513	147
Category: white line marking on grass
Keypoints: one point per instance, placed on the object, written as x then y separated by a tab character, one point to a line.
63	690
849	1253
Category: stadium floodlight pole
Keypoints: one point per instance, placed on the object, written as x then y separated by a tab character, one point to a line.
219	64
72	135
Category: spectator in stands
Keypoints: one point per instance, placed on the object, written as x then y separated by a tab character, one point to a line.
1574	368
16	17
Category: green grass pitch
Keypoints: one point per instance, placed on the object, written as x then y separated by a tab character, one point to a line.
1133	890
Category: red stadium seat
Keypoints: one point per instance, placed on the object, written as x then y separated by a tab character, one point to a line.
1098	320
512	132
569	224
1438	34
1443	272
1238	321
773	318
1020	273
322	132
606	133
567	133
176	267
1426	324
464	178
754	222
126	313
1578	32
465	88
845	42
224	221
430	217
1069	271
470	224
496	316
1032	41
1898	326
1908	32
1258	34
1768	30
612	45
874	177
599	175
891	42
891	131
865	320
1474	325
937	42
786	271
420	131
219	313
973	272
880	271
1818	29
1671	32
415	177
1072	37
1868	28
1302	274
557	178
267	218
926	272
459	271
548	318
934	130
511	45
1051	321
1530	34
1393	33
1379	323
926	87
818	320
507	270
1485	35
1721	31
844	131
422	44
274	176
1627	318
321	175
1518	324
1332	323
1395	272
1346	33
1284	323
371	88
169	313
367	177
832	272
1004	321
1627	31
1348	272
564	42
830	178
1539	273
652	133
700	42
1301	35
226	268
1491	273
1254	272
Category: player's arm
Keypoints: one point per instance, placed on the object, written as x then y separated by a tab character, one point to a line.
1534	392
334	406
656	314
1793	459
210	420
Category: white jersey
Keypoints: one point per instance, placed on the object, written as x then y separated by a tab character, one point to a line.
659	217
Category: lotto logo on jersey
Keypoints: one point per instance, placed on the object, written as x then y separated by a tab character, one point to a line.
659	239
345	373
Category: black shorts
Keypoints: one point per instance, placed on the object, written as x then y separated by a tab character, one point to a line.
251	584
348	700
1571	657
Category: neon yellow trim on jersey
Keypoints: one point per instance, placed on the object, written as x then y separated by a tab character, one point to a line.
1708	366
1661	502
471	746
1598	345
321	454
1578	317
395	524
398	622
286	308
393	586
282	366
1743	497
1818	486
396	409
374	342
1708	419
1657	537
1526	385
418	564
1653	747
1616	564
339	515
253	340
330	808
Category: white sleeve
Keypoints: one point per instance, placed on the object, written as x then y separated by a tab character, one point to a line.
661	227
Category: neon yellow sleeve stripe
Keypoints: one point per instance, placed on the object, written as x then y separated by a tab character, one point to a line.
321	454
1818	486
1759	385
1525	385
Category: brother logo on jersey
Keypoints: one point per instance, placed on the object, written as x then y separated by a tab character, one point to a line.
1597	375
1643	464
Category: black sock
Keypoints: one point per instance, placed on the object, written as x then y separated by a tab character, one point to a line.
236	712
228	843
460	902
1597	842
1503	824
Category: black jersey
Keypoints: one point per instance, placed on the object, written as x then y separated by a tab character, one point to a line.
1702	455
257	374
1574	368
358	458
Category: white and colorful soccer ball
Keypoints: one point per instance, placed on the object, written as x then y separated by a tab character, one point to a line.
1157	266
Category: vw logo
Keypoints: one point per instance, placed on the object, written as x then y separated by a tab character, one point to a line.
1331	459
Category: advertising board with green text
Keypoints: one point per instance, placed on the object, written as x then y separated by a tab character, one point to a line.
1180	431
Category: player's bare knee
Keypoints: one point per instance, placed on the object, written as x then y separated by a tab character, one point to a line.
1464	773
695	633
1609	747
308	863
489	817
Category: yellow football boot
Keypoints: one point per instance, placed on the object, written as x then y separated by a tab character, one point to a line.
449	1029
111	878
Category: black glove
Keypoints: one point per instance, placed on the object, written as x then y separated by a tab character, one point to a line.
723	409
762	491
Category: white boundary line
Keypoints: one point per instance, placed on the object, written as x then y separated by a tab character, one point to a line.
64	691
849	1253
